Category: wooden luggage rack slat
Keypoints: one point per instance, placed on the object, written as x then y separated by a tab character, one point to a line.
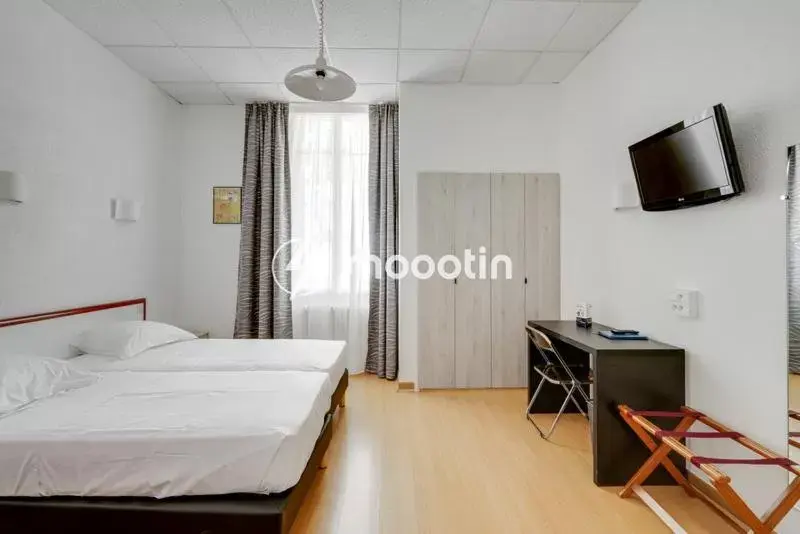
794	437
662	442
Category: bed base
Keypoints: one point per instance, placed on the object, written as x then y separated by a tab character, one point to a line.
661	442
339	394
214	514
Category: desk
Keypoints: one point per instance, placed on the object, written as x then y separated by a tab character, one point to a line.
646	375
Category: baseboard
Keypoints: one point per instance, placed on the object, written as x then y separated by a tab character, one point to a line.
405	386
722	508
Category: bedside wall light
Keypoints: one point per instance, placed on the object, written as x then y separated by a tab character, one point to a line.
12	188
123	209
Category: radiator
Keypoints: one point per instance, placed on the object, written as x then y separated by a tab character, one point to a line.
316	321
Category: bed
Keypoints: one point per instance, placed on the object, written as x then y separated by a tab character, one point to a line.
179	434
234	494
236	355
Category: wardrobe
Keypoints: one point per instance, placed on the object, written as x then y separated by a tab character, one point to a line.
471	328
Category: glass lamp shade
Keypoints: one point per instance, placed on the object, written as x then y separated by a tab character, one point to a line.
321	83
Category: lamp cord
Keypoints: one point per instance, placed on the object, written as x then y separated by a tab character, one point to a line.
322	28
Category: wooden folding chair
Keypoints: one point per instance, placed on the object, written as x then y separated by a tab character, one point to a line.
662	442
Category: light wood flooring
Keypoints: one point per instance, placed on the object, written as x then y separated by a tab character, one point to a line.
468	462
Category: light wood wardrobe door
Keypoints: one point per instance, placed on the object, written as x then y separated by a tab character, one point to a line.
436	296
509	354
473	303
543	246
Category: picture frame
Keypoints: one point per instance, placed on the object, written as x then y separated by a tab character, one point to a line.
227	205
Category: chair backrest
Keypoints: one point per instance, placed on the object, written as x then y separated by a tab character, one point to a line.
541	339
547	349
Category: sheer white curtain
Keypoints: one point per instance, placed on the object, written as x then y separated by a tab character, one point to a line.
330	267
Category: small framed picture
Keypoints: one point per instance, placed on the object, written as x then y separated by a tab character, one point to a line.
227	205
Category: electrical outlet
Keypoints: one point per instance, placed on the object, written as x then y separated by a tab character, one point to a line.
684	302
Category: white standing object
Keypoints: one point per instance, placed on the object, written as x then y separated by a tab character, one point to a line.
12	188
662	514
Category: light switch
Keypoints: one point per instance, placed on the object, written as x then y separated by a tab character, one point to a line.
684	302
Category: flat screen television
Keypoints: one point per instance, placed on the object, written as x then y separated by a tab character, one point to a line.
691	163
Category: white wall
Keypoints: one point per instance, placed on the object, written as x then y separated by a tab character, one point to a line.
83	128
669	60
459	128
211	147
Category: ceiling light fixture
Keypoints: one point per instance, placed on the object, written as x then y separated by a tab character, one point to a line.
320	82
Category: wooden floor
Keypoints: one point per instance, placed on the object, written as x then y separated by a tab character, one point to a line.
468	462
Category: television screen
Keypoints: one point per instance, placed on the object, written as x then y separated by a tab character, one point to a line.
691	163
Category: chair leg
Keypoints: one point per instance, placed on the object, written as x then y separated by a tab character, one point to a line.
546	435
574	400
533	398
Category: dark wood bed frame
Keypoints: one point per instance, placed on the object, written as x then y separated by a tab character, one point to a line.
213	514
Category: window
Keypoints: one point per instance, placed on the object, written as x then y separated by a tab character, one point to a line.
329	159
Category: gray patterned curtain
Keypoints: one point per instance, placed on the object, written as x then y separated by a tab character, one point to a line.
263	306
793	259
383	180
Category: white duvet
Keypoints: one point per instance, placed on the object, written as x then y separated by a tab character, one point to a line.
231	355
166	434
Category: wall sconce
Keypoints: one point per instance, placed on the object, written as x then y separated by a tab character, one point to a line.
125	210
12	188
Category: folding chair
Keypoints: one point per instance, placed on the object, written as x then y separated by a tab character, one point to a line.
554	371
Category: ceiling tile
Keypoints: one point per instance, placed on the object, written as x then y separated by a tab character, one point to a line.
367	93
242	93
441	24
195	22
499	67
523	25
112	22
195	93
590	24
554	67
367	66
278	61
362	23
287	23
372	93
232	65
160	64
434	66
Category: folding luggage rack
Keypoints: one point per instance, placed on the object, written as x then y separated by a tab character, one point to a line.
662	442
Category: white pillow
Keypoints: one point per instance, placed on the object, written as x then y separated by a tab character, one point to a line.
129	338
25	378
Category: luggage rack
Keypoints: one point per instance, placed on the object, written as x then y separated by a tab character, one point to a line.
662	442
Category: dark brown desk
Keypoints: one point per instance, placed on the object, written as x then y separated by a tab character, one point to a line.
646	375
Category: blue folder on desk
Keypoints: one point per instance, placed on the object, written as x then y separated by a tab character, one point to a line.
608	334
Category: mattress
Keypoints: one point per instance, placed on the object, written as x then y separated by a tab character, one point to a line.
231	355
166	434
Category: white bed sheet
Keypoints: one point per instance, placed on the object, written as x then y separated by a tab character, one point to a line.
231	355
166	434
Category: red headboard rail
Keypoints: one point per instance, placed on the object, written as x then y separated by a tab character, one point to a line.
35	318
